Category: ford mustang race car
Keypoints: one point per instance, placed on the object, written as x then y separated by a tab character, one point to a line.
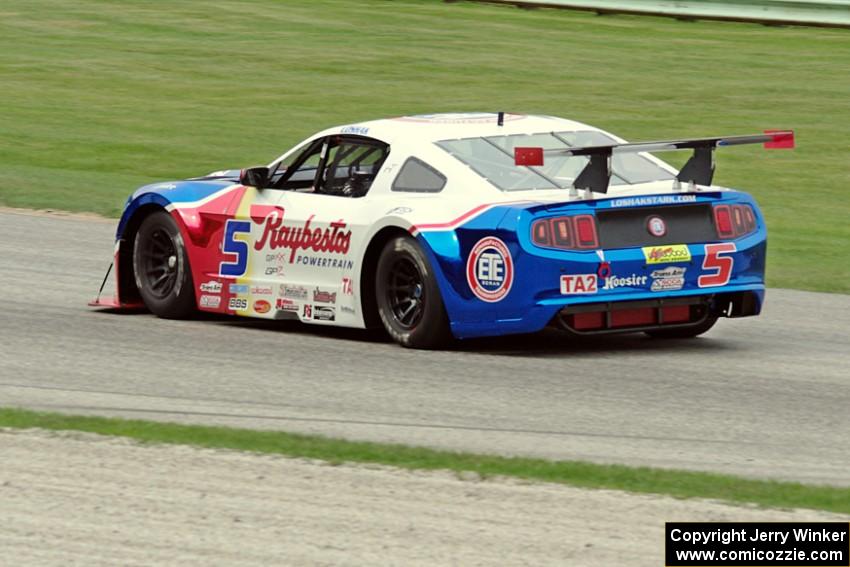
454	225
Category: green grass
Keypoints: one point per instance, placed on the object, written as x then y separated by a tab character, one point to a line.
680	484
98	97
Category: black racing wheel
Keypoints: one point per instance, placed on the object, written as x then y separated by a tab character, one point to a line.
684	332
408	296
161	268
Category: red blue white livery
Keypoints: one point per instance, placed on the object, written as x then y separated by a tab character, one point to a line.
454	225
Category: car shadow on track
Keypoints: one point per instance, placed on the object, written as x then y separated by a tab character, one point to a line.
549	342
555	343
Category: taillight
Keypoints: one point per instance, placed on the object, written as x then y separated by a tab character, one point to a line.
732	221
568	233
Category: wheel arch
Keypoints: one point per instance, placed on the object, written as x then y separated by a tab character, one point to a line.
368	301
129	291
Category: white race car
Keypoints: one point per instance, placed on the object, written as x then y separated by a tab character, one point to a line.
454	225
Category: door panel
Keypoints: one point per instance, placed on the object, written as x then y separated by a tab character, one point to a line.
309	245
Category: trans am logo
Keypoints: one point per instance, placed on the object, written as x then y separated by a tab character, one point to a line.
490	269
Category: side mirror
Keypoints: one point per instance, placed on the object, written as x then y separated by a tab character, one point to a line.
254	177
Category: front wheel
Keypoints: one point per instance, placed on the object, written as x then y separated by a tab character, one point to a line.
161	268
684	332
408	296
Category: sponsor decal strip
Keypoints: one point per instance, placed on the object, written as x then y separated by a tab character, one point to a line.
262	306
572	284
671	278
652	200
666	253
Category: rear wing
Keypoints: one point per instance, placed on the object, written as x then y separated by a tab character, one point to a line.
699	169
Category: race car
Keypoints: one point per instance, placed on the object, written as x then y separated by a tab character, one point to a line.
454	226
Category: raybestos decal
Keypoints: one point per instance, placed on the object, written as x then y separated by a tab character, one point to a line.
334	239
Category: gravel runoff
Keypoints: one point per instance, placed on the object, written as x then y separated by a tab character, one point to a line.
69	498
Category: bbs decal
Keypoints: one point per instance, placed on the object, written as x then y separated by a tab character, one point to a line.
237	304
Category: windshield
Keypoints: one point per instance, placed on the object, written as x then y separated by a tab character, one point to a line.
493	159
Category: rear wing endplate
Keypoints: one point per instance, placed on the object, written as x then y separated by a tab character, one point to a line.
698	170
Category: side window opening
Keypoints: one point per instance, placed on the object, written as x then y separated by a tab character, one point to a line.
416	176
337	165
298	171
351	166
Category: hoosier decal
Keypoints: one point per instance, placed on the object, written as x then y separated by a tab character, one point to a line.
633	280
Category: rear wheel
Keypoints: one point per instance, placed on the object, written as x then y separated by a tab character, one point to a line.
161	268
408	296
684	332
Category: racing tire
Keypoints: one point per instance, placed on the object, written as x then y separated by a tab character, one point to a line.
408	297
684	332
161	268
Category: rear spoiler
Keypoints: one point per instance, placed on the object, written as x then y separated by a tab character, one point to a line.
699	169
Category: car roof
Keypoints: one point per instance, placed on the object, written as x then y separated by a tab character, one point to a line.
450	126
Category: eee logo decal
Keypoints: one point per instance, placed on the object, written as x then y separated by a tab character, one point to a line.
490	270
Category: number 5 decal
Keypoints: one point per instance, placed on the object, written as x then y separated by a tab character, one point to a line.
236	247
721	264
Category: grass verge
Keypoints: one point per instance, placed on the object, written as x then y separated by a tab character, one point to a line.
680	484
100	97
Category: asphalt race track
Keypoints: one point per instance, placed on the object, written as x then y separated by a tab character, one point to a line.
765	397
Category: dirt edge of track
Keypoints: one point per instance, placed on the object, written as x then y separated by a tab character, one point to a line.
71	497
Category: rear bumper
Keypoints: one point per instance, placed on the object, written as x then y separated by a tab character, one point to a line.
649	311
654	314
